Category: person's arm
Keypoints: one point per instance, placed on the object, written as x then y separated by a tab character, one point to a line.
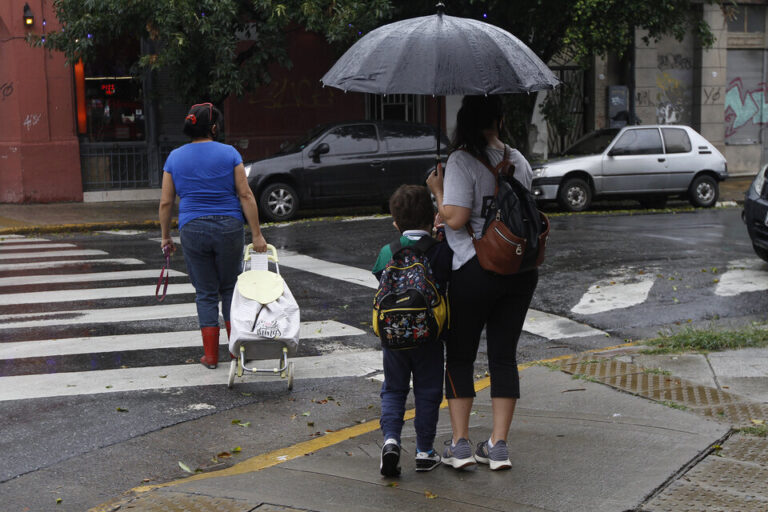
167	198
453	216
250	209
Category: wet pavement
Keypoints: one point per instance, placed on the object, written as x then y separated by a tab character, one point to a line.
604	430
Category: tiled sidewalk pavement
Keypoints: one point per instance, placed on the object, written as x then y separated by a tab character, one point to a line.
732	475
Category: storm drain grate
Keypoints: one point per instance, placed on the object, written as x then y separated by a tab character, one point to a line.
739	414
718	473
182	502
691	395
599	368
745	448
685	496
638	383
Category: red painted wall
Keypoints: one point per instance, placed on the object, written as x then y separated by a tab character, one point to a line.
39	152
292	103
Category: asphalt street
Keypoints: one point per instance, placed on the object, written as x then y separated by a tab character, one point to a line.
99	386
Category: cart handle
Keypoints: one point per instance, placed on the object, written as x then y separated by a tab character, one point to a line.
270	248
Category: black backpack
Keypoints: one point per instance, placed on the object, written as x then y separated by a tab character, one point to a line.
515	232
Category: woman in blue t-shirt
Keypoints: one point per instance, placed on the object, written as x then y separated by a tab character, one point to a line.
209	177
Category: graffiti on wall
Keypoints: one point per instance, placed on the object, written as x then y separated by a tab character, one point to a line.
744	107
6	89
672	100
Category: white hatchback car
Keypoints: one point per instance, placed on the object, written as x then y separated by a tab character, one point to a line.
647	163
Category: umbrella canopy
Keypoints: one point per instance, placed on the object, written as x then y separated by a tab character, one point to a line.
440	55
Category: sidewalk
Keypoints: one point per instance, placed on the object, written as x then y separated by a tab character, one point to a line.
25	218
597	432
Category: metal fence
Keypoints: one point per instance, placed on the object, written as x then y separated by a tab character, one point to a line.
124	165
571	95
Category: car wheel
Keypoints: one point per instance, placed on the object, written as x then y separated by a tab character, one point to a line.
704	191
278	201
574	195
763	253
654	202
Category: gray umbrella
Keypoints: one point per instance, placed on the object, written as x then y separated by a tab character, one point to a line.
440	55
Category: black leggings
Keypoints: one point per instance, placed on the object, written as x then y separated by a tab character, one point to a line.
478	299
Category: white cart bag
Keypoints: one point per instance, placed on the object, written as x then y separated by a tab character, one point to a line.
264	317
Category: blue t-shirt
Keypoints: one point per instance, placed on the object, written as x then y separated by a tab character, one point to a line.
204	178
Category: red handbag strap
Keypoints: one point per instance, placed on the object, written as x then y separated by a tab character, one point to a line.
164	272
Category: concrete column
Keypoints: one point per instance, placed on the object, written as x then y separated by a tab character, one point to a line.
599	93
646	62
710	95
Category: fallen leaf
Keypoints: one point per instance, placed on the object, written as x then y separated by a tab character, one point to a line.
108	387
163	376
306	413
758	422
246	394
185	467
473	413
58	501
323	401
293	417
430	495
235	422
120	409
146	480
244	424
223	455
393	484
310	423
236	449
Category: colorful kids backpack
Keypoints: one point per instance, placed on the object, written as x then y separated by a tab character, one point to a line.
408	309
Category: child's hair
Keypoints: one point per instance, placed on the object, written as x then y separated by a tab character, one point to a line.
411	207
201	119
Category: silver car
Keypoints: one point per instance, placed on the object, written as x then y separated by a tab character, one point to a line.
647	163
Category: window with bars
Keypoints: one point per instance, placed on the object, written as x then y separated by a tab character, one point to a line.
399	107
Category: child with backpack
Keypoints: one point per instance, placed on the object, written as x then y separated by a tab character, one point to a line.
409	315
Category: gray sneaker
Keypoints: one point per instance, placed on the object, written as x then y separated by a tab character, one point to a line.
458	455
497	457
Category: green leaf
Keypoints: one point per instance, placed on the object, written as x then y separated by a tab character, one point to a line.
185	467
120	409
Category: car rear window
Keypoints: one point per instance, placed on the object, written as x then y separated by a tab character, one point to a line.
676	140
640	141
354	138
409	138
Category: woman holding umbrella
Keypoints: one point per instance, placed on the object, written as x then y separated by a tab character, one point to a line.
478	298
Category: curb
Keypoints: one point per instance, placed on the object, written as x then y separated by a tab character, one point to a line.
90	226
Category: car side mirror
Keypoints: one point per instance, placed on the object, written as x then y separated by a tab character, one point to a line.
318	150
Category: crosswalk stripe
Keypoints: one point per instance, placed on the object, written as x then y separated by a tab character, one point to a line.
122	232
98	316
38	265
328	269
118	275
627	288
555	327
26	247
342	364
19	238
148	341
117	292
52	254
742	276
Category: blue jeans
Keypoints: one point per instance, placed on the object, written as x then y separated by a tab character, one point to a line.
213	251
426	365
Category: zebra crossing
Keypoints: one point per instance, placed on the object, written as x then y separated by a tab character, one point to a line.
64	304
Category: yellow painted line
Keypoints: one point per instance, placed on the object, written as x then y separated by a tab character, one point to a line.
273	458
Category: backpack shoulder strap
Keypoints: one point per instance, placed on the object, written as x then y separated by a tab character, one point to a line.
395	246
424	244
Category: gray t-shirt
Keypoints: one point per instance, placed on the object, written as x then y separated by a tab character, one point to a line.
470	184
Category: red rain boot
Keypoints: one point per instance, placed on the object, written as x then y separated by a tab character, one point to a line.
210	347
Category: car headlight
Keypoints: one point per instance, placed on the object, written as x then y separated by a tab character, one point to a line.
248	170
538	172
757	185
